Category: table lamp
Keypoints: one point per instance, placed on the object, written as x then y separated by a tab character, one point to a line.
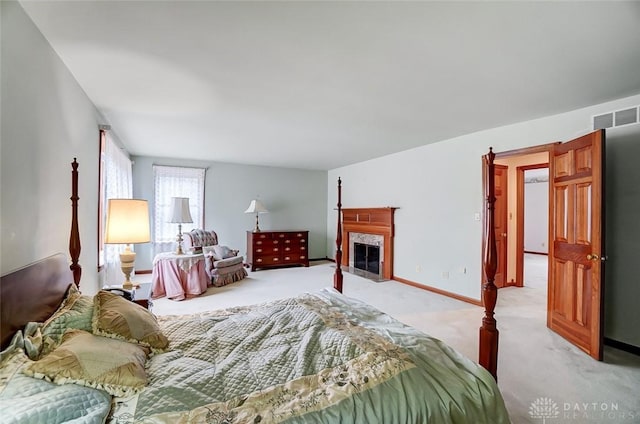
180	214
256	207
127	222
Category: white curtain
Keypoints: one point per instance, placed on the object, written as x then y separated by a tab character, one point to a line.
173	181
118	185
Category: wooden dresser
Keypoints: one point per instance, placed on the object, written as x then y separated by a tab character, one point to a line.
277	248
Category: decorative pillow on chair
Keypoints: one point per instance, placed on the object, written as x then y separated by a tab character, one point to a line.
210	251
223	252
116	317
114	366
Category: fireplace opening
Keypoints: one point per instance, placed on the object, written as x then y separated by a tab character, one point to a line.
367	257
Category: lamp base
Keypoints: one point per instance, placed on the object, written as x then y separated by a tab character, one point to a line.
179	241
127	260
257	230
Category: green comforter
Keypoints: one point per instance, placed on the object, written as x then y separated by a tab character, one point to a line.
317	358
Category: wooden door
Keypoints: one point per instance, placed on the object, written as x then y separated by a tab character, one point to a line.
576	232
501	208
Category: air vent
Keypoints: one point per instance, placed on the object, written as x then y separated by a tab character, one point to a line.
617	118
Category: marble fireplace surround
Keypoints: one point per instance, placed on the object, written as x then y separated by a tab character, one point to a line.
371	226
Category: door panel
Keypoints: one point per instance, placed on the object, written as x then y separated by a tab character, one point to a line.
500	211
577	231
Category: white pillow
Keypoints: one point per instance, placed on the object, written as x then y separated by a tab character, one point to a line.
208	251
219	252
223	252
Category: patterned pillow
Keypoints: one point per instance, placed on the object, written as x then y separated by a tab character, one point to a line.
111	365
118	318
75	312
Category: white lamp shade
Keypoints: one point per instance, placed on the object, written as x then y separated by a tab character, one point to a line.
180	212
256	206
127	221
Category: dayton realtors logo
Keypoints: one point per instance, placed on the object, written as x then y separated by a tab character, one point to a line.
544	408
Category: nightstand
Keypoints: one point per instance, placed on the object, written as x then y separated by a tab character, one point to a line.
140	294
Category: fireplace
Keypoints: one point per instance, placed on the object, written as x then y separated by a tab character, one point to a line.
367	244
367	258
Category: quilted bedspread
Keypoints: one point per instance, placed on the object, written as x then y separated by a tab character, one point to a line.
28	400
316	358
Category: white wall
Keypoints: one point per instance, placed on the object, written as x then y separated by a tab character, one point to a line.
47	120
295	199
438	190
536	216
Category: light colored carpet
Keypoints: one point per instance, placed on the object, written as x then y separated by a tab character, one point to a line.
534	362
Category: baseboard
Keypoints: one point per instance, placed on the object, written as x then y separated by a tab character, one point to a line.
536	253
439	291
622	346
143	271
320	259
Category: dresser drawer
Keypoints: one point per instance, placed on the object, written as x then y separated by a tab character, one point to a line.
266	260
294	258
267	250
262	236
294	248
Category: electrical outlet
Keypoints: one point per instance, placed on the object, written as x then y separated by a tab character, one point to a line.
418	268
476	216
463	270
445	274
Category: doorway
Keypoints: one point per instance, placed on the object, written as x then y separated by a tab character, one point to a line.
525	171
575	238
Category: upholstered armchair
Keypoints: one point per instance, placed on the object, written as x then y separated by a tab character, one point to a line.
222	264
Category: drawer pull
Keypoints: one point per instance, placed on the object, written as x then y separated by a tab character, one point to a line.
275	242
302	256
286	258
258	260
258	250
258	242
281	235
299	235
276	259
302	248
262	236
287	241
275	249
286	249
302	240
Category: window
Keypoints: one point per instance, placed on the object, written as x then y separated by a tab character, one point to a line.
173	181
115	183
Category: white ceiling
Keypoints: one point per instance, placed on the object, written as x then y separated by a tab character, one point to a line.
320	85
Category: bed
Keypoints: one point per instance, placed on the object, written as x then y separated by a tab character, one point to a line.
315	358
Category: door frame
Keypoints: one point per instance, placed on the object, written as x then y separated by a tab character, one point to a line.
520	170
503	247
547	147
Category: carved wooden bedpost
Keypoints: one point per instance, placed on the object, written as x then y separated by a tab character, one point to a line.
337	277
488	356
74	239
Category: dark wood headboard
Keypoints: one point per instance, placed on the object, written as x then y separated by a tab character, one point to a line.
32	293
